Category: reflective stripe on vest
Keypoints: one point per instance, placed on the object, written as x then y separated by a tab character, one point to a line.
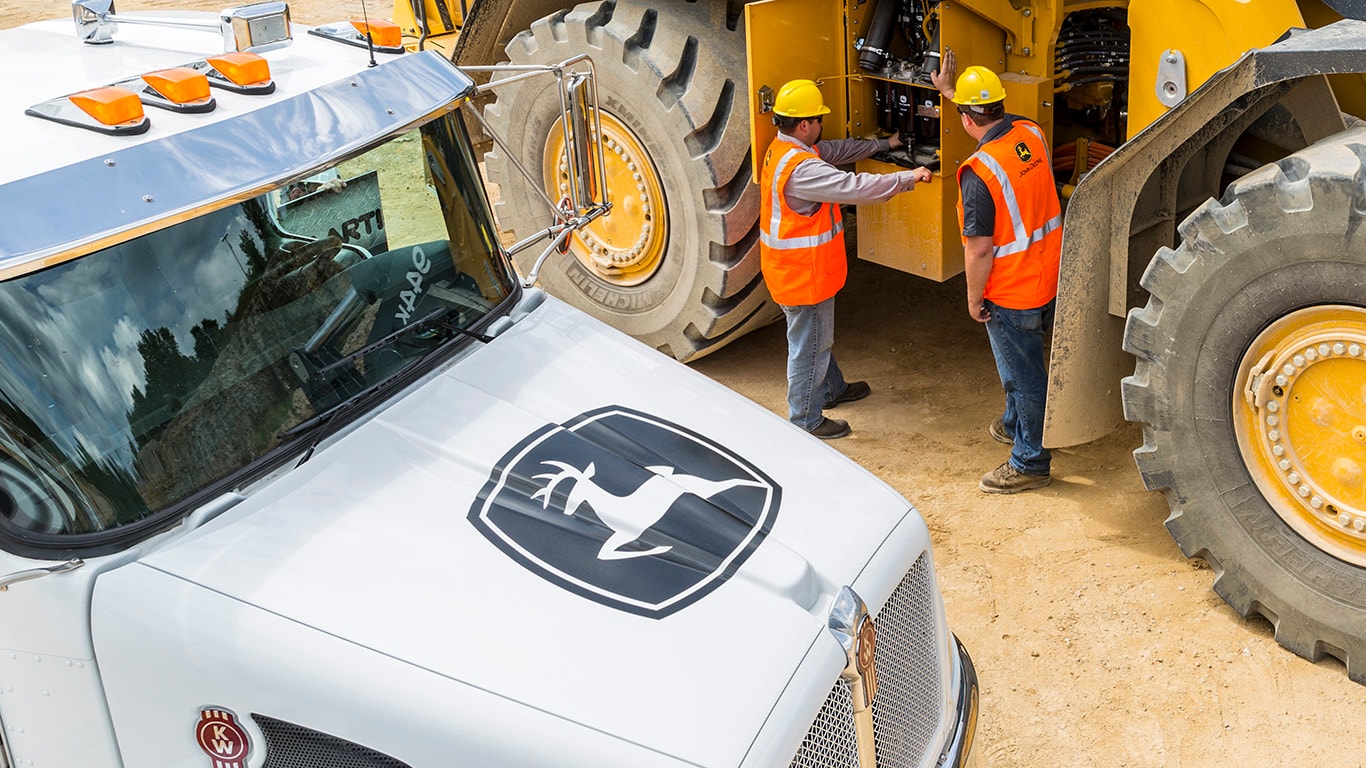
770	235
801	256
1023	240
1026	236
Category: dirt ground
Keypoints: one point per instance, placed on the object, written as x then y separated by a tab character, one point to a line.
1097	643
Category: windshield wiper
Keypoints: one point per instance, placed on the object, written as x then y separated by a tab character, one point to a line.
326	416
436	318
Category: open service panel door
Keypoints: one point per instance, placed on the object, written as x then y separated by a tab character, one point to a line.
790	40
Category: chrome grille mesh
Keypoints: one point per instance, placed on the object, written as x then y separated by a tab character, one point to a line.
908	706
294	746
830	743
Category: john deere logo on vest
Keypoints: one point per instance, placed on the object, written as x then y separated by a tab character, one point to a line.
1023	152
627	509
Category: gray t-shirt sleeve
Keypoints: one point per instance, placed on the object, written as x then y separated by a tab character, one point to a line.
841	151
979	210
815	182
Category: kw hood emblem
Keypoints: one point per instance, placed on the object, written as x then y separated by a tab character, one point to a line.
627	509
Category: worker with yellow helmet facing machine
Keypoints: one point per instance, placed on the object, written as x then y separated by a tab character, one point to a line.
801	243
1012	237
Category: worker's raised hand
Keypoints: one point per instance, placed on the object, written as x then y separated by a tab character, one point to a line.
943	79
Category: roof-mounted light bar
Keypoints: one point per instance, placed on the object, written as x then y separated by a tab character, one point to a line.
386	36
116	109
257	27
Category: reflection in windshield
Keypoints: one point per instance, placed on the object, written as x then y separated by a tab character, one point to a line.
137	376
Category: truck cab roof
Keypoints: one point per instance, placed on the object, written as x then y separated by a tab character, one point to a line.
48	60
111	185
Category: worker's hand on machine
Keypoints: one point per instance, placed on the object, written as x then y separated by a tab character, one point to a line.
895	141
914	176
943	79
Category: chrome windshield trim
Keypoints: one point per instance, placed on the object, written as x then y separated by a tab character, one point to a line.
146	186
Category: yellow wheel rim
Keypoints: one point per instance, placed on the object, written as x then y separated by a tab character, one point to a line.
1300	419
625	247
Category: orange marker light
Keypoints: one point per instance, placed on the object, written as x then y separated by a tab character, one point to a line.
180	85
109	105
242	68
382	33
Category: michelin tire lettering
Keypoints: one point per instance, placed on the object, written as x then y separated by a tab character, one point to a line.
627	509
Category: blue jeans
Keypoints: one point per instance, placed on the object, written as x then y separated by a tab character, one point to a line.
813	377
1017	342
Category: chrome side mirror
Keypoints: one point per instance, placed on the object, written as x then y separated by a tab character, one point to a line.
582	132
256	28
94	20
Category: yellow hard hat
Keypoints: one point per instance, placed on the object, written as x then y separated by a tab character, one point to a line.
978	86
799	98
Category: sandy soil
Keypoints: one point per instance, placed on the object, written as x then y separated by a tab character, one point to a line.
1097	642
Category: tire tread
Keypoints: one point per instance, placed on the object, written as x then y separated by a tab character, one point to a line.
1299	194
686	55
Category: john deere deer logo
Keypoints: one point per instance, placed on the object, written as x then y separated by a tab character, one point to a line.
1022	152
631	515
627	509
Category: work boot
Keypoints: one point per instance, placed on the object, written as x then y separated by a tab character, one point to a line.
854	390
1007	479
831	429
998	432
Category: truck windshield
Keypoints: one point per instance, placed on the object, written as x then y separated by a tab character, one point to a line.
157	370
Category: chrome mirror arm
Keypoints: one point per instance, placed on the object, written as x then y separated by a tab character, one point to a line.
588	197
35	573
535	185
560	243
581	127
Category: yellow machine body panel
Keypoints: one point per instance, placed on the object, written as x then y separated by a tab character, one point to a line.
790	40
1203	36
443	21
915	232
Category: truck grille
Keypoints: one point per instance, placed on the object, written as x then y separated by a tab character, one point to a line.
908	707
294	746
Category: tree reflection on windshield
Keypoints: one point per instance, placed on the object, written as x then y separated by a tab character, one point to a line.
141	375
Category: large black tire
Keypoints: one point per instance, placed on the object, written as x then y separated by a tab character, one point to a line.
673	74
1284	247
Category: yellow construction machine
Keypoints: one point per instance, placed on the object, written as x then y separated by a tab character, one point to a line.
1213	285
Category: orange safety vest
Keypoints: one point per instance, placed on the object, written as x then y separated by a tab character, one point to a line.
802	257
1027	239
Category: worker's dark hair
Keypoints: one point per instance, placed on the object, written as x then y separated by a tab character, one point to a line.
985	114
787	124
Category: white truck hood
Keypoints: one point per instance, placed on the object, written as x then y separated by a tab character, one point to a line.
570	520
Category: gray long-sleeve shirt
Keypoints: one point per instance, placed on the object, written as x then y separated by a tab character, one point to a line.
819	181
